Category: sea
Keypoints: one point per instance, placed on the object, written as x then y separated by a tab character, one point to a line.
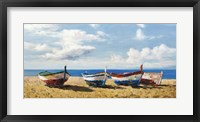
167	74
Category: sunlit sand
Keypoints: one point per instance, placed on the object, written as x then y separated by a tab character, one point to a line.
76	87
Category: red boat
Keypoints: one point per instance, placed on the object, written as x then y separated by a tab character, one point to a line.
128	78
54	79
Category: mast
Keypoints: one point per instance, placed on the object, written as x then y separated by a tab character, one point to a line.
141	68
65	70
105	70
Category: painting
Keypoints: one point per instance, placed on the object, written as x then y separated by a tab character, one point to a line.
99	60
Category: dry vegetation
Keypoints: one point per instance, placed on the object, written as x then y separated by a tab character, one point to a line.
76	87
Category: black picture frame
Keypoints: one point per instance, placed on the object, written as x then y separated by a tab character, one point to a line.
99	3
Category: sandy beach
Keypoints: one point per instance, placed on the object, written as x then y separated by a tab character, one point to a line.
76	87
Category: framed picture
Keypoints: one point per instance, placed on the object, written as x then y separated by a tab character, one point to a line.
99	60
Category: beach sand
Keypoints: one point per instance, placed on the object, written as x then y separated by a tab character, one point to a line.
76	87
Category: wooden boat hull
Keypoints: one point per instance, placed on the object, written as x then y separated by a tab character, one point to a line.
54	82
97	83
152	78
95	79
132	80
128	78
53	79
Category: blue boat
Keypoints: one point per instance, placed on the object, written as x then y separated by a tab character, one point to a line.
127	78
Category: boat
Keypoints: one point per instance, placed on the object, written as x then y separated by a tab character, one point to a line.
152	78
96	80
54	79
127	78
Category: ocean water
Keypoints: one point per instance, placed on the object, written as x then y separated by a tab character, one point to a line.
167	74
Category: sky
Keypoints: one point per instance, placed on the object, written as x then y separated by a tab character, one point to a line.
95	46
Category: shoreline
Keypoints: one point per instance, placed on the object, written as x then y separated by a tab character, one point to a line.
82	77
163	82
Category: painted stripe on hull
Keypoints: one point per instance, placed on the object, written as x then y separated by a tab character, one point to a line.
54	81
96	83
128	82
92	75
42	77
95	78
132	77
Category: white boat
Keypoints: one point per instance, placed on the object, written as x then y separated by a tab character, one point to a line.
152	78
97	79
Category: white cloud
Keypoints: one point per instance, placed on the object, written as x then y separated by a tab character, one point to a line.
155	37
160	64
70	44
141	25
35	47
139	35
40	27
117	59
157	53
101	33
71	53
49	30
159	56
76	36
72	38
94	25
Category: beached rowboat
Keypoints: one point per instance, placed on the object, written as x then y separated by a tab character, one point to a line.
97	79
54	79
152	78
127	78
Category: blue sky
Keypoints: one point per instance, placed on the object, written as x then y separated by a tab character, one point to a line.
94	46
